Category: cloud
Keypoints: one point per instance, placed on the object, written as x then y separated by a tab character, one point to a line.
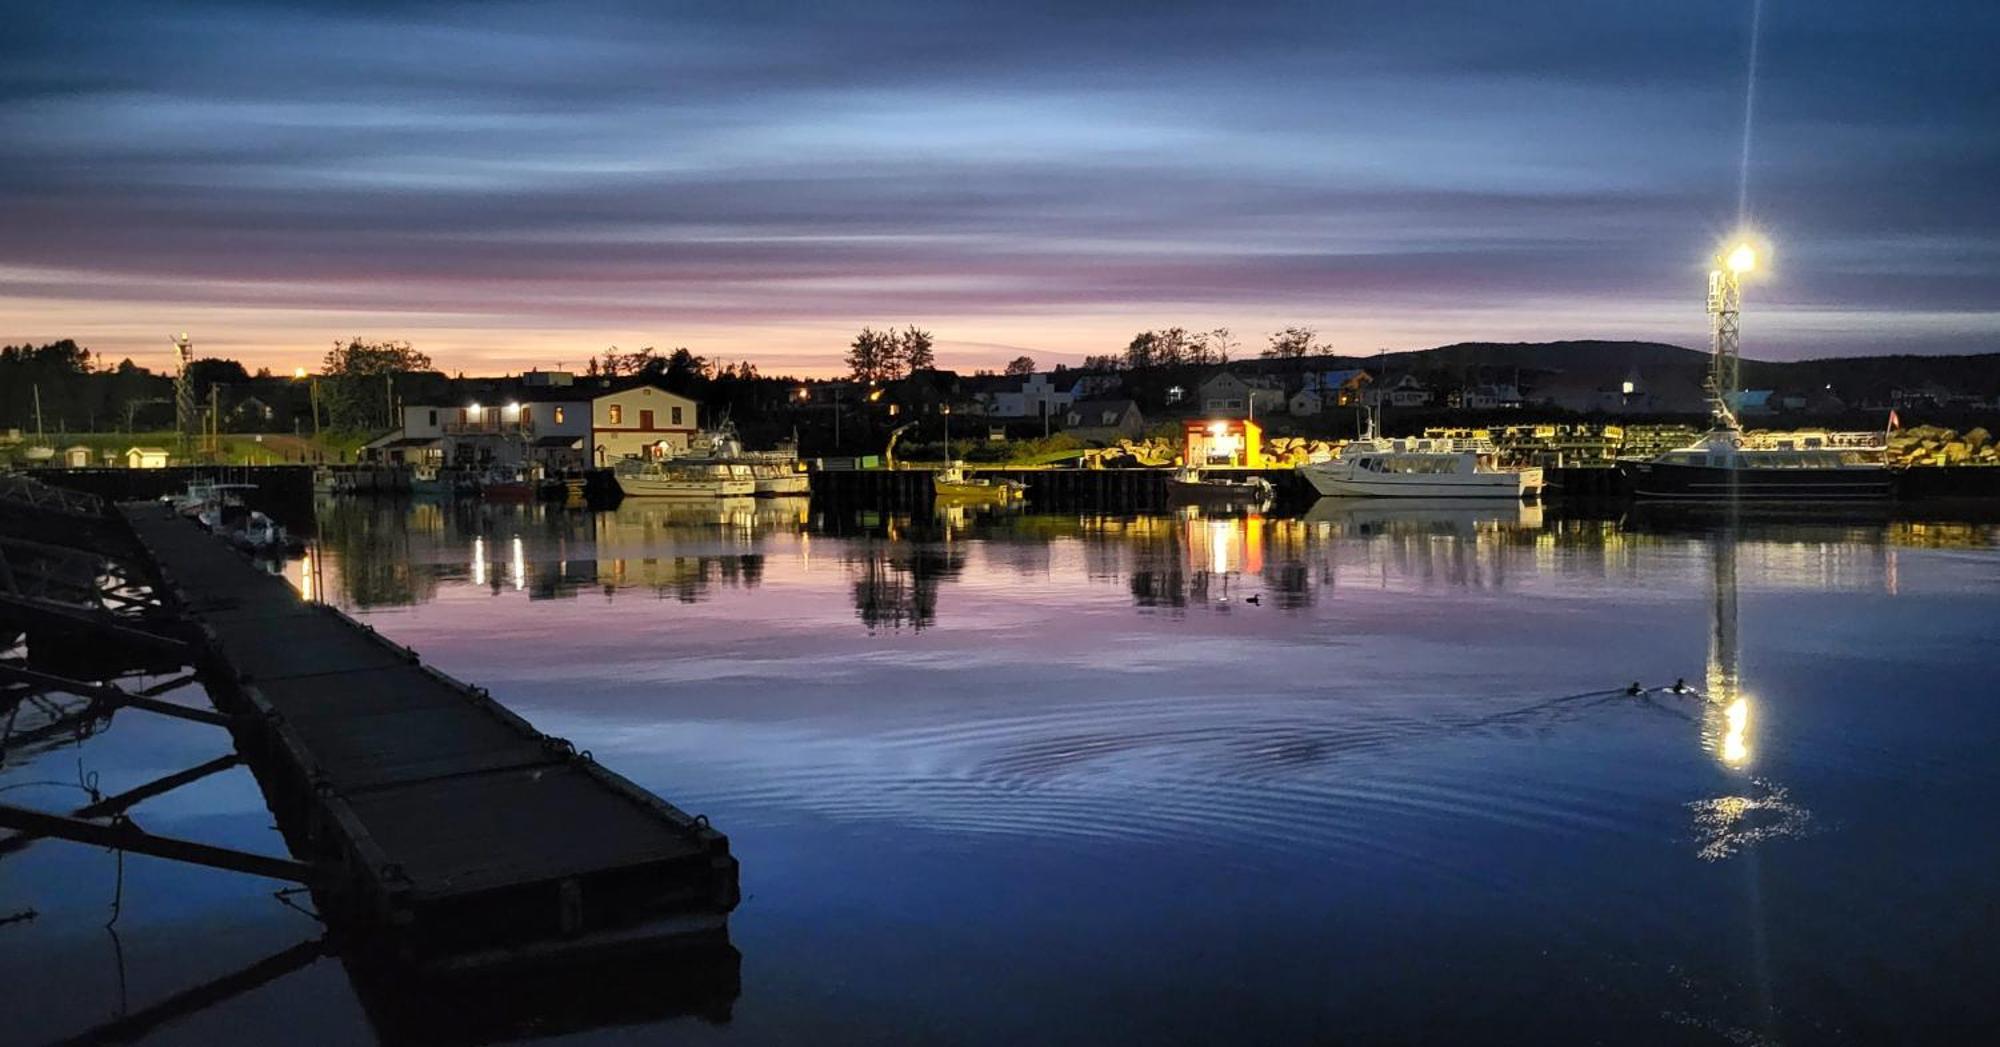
767	176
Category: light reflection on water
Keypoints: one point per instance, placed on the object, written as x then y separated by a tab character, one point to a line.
1012	776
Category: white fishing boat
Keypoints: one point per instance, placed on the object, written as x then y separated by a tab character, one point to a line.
777	473
1418	467
683	478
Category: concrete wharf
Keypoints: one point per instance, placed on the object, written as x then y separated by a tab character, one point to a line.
436	829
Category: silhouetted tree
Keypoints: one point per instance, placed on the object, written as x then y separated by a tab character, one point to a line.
1021	366
1293	343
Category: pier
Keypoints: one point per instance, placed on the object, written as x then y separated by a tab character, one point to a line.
437	831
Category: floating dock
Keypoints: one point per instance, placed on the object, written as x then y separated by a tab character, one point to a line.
443	831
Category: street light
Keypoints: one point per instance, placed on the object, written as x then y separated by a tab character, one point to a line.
1742	258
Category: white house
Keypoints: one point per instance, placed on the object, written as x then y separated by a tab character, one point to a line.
640	421
1037	396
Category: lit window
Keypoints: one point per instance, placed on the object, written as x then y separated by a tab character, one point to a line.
617	414
528	415
559	412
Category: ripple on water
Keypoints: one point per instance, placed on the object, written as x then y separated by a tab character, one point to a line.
1348	780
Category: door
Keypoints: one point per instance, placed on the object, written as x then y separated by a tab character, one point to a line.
646	420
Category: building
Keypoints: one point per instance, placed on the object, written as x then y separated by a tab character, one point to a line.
1342	388
640	421
1227	393
1406	391
1103	419
1490	397
1304	403
1223	441
146	458
1039	394
76	456
551	430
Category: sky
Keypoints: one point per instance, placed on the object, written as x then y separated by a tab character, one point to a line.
518	186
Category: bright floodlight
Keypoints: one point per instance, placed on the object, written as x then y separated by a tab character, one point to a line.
1742	259
298	372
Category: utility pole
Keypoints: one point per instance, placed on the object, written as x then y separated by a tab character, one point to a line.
1725	309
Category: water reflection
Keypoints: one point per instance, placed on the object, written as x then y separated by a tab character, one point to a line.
384	554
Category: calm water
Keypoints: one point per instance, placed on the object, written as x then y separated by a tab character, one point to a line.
1366	774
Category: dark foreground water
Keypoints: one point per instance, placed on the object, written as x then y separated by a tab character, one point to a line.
1365	775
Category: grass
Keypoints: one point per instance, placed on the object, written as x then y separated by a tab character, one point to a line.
231	449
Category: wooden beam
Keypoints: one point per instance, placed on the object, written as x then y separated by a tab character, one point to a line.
100	623
135	1026
131	838
111	695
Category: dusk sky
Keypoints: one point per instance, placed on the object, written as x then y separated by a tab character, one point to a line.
519	186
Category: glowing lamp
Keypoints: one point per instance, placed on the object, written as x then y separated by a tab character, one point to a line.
298	372
1742	258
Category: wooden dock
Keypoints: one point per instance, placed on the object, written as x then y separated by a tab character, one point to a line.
447	829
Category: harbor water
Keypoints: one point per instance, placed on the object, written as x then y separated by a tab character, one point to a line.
1368	772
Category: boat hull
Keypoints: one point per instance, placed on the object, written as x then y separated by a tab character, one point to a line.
690	487
1661	481
976	492
1335	481
1183	492
783	484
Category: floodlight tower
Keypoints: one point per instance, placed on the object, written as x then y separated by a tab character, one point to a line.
184	389
1725	308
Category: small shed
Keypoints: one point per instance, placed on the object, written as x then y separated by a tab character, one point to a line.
76	456
146	458
1224	441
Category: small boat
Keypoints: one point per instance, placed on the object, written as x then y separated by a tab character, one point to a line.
951	484
1373	467
1191	486
682	478
428	481
507	485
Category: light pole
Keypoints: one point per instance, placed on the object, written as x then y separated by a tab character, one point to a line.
1725	309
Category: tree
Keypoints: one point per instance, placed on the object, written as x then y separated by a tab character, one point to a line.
1293	343
872	356
615	364
913	348
1021	366
358	387
1106	362
1217	345
1142	350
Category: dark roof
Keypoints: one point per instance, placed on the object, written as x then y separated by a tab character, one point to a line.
557	441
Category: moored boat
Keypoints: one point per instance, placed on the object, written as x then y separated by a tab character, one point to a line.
952	485
1721	466
1372	467
1725	465
1192	486
682	478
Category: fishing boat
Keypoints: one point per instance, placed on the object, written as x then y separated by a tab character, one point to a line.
1190	485
1724	464
683	478
952	485
1418	467
777	472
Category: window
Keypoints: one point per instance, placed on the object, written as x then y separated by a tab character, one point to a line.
434	417
559	413
617	414
528	415
677	416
